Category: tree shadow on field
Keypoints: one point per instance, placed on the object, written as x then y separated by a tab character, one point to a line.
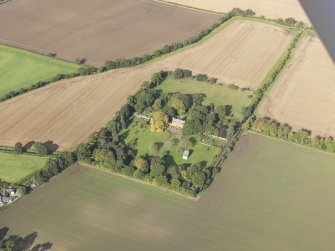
19	243
28	145
51	146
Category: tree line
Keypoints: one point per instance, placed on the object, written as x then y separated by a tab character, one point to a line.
304	137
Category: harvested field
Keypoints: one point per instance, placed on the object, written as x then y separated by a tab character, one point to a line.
269	8
304	95
97	30
270	195
67	112
241	54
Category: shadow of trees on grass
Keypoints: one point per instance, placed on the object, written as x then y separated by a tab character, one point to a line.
18	243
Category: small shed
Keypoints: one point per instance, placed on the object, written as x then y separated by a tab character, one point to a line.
177	123
186	155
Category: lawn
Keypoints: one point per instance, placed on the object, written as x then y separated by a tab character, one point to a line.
21	69
198	153
216	94
270	195
145	139
16	167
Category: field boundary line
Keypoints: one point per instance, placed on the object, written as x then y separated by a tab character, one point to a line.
189	7
139	181
283	140
36	50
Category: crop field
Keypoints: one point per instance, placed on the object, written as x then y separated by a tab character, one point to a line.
241	54
16	167
216	94
97	30
269	8
270	195
67	112
304	95
20	69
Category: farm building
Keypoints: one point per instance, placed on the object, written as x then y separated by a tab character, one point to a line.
143	116
186	155
177	123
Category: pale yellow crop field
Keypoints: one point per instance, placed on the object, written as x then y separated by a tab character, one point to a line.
304	95
269	8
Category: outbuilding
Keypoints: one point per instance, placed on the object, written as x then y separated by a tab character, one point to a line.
186	155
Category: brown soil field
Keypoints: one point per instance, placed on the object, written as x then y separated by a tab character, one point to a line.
304	95
97	30
257	202
242	54
67	112
268	8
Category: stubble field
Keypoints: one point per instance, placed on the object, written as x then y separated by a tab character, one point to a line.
241	54
304	95
67	112
270	195
97	30
269	8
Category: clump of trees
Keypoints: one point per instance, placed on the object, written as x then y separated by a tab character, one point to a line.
283	131
159	122
107	148
290	21
54	166
40	149
18	148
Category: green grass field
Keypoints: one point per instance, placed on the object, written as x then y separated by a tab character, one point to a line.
216	94
145	138
198	153
16	167
21	69
270	195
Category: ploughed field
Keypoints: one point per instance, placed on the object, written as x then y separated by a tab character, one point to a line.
97	30
304	95
269	8
67	112
270	195
21	69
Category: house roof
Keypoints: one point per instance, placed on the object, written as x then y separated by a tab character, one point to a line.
186	153
178	121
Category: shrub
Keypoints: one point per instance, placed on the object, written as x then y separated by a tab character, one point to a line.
201	77
18	148
40	149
